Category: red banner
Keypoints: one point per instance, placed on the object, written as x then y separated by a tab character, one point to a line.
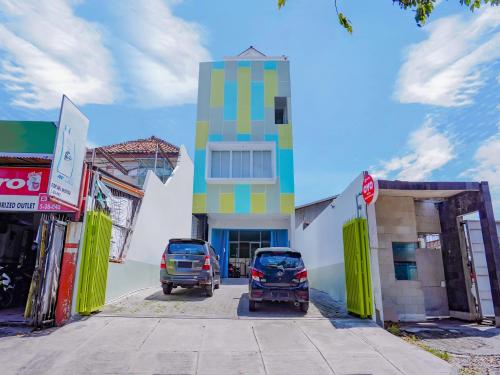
25	189
24	181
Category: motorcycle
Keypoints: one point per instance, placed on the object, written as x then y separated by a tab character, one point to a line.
6	289
234	272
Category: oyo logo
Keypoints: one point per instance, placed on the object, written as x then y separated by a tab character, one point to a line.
369	190
12	183
33	182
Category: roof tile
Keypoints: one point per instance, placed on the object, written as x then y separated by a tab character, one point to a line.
146	145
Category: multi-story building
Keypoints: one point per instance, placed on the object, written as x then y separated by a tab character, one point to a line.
243	193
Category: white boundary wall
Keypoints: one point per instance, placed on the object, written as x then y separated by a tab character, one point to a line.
321	243
165	213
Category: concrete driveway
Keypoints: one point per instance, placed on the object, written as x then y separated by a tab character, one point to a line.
185	333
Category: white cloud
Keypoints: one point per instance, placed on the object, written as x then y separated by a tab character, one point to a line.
487	158
162	52
49	51
429	150
446	68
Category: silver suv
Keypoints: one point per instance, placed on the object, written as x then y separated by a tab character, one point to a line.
188	263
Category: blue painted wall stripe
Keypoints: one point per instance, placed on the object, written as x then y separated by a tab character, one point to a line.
257	100
199	183
218	65
286	171
270	65
243	137
244	64
242	199
230	100
215	137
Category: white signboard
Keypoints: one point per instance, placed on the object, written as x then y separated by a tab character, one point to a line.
69	154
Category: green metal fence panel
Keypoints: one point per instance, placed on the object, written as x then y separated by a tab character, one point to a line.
357	267
94	264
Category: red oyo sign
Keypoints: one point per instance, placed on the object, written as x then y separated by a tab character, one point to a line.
25	189
369	189
24	181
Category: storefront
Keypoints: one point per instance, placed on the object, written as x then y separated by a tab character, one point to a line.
32	233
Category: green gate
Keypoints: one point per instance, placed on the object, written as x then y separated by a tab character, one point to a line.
357	267
94	264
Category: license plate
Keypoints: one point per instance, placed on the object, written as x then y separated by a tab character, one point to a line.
280	295
184	264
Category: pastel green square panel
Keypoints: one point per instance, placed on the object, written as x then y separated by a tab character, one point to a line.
243	114
258	203
217	88
226	203
199	203
287	203
201	134
285	137
270	87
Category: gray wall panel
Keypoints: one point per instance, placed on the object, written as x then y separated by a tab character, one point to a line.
203	111
257	71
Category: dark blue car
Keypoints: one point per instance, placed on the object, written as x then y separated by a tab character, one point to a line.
278	274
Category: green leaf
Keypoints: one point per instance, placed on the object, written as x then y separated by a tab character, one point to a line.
281	3
346	24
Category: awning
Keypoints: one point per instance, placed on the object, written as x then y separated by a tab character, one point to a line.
27	139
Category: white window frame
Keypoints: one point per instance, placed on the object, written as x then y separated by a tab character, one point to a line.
240	146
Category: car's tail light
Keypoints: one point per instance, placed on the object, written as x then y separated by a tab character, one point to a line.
301	276
163	264
206	265
256	274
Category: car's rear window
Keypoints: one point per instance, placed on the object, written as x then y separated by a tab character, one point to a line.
186	248
278	259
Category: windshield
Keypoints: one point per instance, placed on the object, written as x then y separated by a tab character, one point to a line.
273	259
186	248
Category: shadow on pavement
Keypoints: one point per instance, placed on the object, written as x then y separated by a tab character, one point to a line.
179	294
327	307
235	281
268	309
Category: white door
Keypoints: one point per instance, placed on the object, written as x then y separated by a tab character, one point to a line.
480	267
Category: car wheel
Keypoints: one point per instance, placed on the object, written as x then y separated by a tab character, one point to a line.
209	289
304	306
167	289
252	305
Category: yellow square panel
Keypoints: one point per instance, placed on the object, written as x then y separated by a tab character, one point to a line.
258	203
199	203
270	87
201	135
226	203
285	136
287	203
217	88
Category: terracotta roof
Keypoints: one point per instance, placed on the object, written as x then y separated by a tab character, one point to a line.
146	145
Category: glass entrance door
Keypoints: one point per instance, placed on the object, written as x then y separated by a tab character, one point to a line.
242	247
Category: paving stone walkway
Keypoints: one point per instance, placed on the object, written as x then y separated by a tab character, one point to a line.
145	337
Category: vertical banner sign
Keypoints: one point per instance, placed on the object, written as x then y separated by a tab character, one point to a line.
69	154
369	189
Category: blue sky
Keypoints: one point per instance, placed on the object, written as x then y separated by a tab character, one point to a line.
401	101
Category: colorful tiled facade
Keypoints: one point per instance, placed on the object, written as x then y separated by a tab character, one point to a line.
236	103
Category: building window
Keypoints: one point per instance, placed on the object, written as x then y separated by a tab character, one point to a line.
405	264
241	164
245	161
280	110
262	164
220	164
